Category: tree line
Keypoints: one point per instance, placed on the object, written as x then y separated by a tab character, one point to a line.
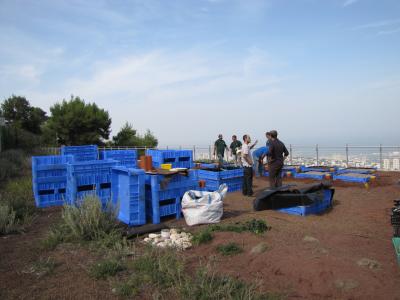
71	122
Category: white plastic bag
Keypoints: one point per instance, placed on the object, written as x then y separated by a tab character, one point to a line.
203	207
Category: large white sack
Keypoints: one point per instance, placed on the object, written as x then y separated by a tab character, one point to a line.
203	207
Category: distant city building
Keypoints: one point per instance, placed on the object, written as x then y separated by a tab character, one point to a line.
396	164
386	164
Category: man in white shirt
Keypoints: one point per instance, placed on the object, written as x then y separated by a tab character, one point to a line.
247	163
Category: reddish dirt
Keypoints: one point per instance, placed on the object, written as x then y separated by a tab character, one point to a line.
69	279
358	226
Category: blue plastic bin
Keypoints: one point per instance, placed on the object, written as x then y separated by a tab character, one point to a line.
49	179
89	178
177	158
356	170
126	158
128	193
354	177
218	175
161	202
81	153
316	208
314	175
234	184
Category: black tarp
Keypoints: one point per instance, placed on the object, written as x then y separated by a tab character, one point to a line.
291	195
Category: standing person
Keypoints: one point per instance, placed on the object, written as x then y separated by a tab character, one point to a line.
277	154
219	149
258	157
235	145
247	164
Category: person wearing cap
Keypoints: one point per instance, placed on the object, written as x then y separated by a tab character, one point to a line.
219	149
235	146
277	154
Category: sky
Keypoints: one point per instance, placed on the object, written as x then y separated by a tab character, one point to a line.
317	71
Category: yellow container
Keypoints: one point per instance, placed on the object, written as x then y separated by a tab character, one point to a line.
166	166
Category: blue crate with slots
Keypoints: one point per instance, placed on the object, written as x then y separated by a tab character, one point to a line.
234	184
356	170
218	174
318	207
91	178
177	158
314	175
128	194
126	158
49	179
81	153
355	177
164	194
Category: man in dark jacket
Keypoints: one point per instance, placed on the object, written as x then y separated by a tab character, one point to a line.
276	156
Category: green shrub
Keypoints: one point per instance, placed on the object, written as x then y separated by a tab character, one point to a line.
8	222
209	286
160	268
42	267
106	268
17	205
129	288
19	196
229	249
202	236
88	221
55	236
254	226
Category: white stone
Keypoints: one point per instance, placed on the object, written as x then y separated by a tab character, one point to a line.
173	231
153	235
146	240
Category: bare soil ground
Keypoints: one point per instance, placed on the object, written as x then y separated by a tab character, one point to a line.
345	253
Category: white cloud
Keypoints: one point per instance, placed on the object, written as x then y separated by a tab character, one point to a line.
377	24
172	92
349	2
388	32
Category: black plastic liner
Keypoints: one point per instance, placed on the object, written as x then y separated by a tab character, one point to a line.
292	195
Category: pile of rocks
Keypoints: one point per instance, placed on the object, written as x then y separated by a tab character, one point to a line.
170	238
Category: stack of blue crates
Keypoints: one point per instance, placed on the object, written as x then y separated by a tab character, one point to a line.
49	179
317	207
126	158
128	193
166	201
81	153
90	178
177	158
214	178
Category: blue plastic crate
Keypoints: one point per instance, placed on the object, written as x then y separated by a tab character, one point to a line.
81	153
89	178
49	179
356	170
126	158
128	193
317	207
177	158
314	175
218	175
234	184
161	202
354	177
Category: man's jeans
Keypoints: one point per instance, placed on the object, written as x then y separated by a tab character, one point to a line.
247	189
258	167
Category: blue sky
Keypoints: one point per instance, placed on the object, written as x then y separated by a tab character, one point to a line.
318	71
